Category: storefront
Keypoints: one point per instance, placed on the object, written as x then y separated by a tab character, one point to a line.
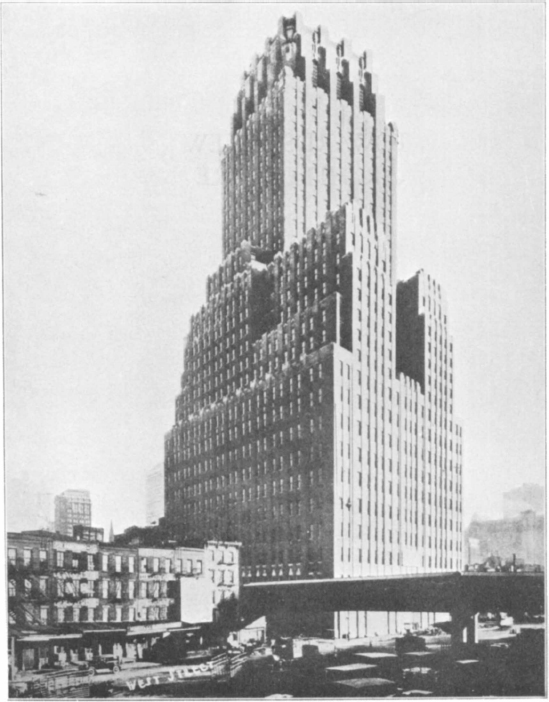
103	642
141	638
38	651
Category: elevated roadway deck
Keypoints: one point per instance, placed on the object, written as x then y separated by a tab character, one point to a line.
463	595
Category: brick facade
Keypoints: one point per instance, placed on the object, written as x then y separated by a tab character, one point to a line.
53	580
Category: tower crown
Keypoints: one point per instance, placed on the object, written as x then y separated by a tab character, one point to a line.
308	136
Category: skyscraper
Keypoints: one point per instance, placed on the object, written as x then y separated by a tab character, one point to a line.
72	507
315	422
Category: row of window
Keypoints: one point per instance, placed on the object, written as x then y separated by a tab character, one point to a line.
388	558
64	588
277	393
108	562
43	615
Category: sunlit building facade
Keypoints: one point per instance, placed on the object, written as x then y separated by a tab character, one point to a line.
315	422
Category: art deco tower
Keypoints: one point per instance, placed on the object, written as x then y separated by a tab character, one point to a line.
316	420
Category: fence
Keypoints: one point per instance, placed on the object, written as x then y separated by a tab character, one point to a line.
73	684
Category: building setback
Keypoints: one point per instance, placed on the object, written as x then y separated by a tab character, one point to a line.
315	422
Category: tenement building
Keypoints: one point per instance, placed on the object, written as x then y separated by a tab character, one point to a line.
315	422
82	596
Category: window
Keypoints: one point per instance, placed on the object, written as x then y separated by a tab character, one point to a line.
168	565
91	565
43	555
199	567
104	562
131	614
156	562
118	614
12	555
118	590
104	589
27	556
118	565
43	584
131	589
44	615
189	566
178	565
143	565
11	588
143	590
131	564
60	559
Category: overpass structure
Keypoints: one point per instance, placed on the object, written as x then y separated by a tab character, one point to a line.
462	595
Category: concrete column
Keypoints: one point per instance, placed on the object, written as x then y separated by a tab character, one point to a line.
458	630
464	627
472	629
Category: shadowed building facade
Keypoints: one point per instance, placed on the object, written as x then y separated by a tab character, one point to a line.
315	422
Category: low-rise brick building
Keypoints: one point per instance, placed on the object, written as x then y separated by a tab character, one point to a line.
62	586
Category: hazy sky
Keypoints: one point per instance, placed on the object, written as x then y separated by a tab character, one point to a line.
113	119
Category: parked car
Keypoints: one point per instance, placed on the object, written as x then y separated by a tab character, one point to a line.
104	664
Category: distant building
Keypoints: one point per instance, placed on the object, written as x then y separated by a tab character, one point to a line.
473	550
83	596
519	537
527	497
72	507
155	494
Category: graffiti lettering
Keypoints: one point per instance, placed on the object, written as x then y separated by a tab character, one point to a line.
171	676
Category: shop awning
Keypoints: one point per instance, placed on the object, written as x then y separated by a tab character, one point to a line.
159	628
48	637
